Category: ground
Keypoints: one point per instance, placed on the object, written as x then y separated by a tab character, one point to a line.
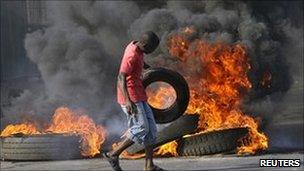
211	162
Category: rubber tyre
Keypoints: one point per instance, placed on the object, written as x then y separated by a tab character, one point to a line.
40	147
186	124
181	88
211	142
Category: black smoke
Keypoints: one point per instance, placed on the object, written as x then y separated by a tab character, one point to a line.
79	51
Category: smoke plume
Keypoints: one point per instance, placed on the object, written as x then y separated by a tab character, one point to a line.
272	37
78	55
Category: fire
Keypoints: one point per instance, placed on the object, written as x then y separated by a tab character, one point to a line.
167	149
178	47
218	85
25	128
161	95
68	122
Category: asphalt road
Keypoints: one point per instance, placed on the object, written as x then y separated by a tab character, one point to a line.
211	162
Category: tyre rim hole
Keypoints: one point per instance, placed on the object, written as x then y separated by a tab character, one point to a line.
161	95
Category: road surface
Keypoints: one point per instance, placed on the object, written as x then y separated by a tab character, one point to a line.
211	162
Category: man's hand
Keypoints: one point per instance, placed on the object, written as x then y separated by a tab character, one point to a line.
131	108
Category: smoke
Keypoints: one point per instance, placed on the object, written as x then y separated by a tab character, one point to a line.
273	39
78	55
273	35
79	51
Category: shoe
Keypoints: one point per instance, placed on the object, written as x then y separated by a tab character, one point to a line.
114	161
156	168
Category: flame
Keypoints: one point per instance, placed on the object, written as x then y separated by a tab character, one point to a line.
217	88
178	47
25	128
161	95
68	122
168	149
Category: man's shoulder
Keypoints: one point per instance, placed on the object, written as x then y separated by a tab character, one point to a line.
132	51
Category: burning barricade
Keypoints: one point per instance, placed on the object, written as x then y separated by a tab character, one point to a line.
58	137
209	99
217	91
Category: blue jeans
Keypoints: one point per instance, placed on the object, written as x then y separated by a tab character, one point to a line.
142	126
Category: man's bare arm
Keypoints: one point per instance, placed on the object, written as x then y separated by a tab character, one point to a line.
122	85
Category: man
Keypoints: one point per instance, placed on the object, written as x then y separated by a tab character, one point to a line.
132	97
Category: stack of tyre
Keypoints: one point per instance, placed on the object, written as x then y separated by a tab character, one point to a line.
183	124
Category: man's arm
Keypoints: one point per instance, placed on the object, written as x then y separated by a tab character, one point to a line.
122	85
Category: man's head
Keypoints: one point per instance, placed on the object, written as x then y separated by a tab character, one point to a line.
148	42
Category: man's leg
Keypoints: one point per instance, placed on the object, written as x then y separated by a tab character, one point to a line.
127	141
150	138
113	156
121	147
149	157
137	130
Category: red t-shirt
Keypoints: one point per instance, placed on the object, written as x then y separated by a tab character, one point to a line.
132	65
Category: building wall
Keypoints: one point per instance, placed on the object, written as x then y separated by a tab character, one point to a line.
17	71
17	19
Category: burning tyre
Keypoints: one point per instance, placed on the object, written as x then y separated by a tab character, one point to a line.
180	86
211	142
40	147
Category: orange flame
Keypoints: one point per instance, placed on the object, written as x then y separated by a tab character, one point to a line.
168	149
69	122
217	88
25	128
161	96
92	135
178	47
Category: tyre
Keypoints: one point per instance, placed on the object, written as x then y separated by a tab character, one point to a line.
184	125
40	147
181	88
211	142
